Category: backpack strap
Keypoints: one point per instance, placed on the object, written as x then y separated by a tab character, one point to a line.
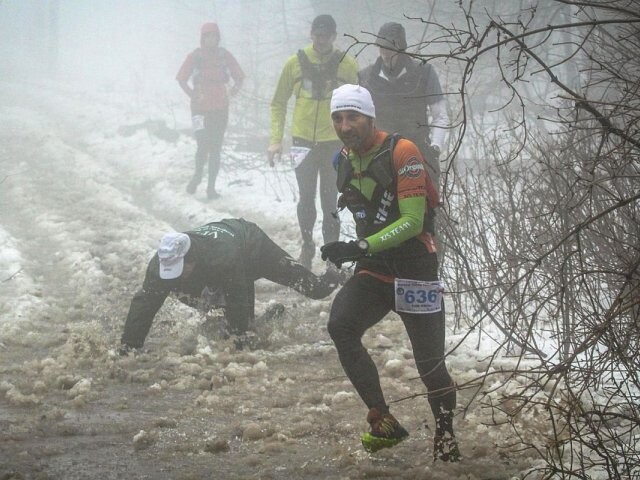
197	58
323	76
344	170
381	167
305	64
221	62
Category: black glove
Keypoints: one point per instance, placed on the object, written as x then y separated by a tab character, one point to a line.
340	252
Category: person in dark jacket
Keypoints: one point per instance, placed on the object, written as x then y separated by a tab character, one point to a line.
217	260
408	96
204	76
383	181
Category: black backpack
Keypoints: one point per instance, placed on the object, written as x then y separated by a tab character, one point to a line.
323	76
222	63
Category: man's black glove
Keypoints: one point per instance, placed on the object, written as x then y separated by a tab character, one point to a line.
340	252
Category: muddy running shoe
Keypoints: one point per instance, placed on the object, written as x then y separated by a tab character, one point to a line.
445	448
385	431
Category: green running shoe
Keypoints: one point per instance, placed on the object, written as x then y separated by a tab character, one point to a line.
385	432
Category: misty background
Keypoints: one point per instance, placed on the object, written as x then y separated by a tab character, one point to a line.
540	225
139	46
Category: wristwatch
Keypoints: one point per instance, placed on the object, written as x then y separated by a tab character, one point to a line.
363	245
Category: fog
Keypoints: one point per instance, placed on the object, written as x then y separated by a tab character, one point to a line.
82	207
138	46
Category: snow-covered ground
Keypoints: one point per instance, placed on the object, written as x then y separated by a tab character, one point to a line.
81	211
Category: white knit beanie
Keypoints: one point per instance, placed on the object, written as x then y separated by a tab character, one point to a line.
353	97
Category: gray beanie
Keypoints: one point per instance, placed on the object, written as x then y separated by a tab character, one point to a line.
392	35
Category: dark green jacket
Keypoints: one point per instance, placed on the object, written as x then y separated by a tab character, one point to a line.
223	253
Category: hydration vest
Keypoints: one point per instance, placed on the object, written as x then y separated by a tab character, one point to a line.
322	76
372	215
218	72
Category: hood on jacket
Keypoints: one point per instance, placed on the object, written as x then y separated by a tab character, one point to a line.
209	27
392	35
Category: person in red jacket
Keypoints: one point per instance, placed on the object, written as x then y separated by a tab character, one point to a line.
204	77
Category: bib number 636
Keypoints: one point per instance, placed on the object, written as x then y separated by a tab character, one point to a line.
417	296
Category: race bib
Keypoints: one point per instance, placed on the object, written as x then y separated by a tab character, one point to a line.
298	154
197	122
417	296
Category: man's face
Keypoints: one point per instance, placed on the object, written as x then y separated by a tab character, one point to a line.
389	57
210	40
353	128
323	40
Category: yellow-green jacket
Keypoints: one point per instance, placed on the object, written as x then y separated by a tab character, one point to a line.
311	117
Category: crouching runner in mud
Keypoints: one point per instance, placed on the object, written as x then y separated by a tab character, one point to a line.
221	260
383	182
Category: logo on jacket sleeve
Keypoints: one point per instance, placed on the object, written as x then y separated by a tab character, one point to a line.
383	207
412	168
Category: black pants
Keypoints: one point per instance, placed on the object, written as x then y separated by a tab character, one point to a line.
270	261
317	164
359	305
262	259
265	259
209	141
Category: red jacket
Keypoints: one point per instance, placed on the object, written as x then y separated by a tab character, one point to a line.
209	71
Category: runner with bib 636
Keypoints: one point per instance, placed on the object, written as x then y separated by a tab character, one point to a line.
383	182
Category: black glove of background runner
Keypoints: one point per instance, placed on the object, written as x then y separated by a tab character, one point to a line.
340	252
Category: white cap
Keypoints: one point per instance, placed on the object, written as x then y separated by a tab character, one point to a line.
353	97
173	247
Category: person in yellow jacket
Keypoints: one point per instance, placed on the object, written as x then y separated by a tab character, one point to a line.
311	75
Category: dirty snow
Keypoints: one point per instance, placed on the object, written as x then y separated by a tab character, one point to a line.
81	211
